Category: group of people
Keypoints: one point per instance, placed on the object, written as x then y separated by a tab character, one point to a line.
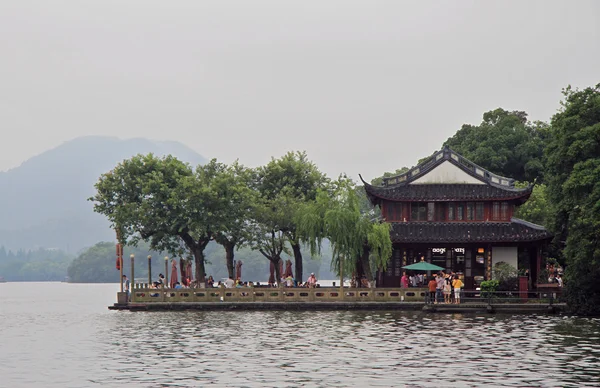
413	280
445	288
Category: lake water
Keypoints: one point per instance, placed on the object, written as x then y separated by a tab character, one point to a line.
62	335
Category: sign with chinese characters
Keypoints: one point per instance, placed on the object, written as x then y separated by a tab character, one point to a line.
443	250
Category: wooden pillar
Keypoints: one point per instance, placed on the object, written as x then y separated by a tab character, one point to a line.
538	251
149	271
341	277
166	271
120	260
132	282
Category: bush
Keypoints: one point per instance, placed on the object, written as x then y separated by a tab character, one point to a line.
488	287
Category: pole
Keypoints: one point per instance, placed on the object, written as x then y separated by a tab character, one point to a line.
120	259
166	271
132	283
341	277
149	271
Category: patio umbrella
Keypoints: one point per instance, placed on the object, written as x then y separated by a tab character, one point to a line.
173	273
423	266
238	269
288	269
271	273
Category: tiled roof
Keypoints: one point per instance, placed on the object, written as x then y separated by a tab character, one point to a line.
447	192
466	232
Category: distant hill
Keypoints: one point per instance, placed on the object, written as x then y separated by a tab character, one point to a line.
43	202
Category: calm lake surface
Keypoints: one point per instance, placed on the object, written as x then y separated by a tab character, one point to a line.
63	335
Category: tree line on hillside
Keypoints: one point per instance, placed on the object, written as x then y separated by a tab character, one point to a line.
34	265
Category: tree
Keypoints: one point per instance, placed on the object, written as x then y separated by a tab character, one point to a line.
505	143
164	201
267	230
379	180
297	179
536	209
573	154
236	188
358	239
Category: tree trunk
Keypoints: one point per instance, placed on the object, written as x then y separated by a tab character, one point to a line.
229	255
298	262
198	253
366	266
276	261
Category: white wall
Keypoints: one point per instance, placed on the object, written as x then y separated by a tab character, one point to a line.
506	254
447	173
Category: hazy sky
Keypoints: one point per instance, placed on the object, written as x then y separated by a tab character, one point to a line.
362	86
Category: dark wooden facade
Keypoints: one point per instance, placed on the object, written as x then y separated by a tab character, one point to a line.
457	215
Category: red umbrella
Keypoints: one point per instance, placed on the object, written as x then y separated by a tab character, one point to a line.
272	273
238	269
288	269
173	273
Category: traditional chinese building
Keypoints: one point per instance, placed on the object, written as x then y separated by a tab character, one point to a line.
459	216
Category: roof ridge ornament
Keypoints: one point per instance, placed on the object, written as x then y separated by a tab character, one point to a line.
439	157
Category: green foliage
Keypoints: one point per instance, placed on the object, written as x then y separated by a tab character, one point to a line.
379	180
507	276
537	207
505	143
488	287
573	156
168	204
34	265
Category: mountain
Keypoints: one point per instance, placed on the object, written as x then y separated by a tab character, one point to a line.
43	202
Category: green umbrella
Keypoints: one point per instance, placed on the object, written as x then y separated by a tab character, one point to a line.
423	266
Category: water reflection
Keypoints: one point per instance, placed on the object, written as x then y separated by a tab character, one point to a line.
58	335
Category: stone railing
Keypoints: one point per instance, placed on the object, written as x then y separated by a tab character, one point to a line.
283	295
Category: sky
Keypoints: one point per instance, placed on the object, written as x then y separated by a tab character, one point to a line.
362	86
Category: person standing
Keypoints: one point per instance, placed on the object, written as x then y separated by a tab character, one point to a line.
457	284
439	290
312	280
126	287
404	281
432	286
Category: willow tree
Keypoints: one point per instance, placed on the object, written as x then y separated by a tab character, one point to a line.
358	239
163	201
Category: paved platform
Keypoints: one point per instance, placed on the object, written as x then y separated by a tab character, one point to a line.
516	308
